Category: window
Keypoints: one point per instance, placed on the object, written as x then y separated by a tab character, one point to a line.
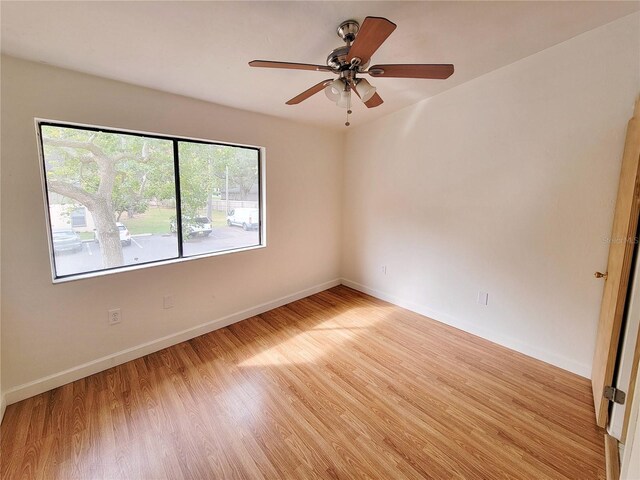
118	199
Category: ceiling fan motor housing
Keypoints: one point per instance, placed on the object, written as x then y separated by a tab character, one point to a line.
348	30
337	59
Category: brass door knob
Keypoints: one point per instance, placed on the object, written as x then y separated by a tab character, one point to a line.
601	275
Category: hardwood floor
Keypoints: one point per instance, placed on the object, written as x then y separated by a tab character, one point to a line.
337	385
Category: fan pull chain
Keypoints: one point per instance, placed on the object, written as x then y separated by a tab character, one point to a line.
348	111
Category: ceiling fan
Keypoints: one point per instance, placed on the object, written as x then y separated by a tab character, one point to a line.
352	60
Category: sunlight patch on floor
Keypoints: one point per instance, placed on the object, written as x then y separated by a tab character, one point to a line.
319	340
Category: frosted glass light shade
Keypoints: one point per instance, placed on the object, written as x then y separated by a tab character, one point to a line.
345	99
334	89
366	90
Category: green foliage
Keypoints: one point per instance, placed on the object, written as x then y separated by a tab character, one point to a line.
196	176
129	171
142	167
67	164
243	169
203	170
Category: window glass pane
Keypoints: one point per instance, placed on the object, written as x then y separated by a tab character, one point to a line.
219	197
111	198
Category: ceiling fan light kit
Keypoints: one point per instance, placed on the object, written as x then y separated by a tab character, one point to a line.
353	59
365	89
345	99
334	89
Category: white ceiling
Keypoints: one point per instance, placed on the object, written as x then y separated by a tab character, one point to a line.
201	49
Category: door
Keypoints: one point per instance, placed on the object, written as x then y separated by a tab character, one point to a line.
621	246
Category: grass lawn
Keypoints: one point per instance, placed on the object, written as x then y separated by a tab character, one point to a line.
154	220
219	219
157	220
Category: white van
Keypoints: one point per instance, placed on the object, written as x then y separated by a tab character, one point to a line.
247	218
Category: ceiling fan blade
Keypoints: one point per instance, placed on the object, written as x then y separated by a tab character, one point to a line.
374	101
373	32
434	71
309	92
289	65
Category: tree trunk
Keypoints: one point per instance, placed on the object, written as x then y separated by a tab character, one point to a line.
108	234
210	206
244	191
98	203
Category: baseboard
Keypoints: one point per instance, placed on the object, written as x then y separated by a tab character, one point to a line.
584	370
55	380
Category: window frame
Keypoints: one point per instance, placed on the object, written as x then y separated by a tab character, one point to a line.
175	139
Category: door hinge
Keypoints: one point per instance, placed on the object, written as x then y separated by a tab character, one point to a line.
614	395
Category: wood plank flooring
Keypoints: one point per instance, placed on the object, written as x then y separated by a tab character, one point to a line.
337	385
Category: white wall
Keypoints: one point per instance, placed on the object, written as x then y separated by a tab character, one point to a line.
505	184
2	399
48	328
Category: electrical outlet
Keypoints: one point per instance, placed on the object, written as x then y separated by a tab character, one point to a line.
383	269
483	298
115	316
167	301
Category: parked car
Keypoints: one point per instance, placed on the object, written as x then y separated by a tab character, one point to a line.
247	218
66	240
192	227
125	236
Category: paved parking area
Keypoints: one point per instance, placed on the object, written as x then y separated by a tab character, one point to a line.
150	248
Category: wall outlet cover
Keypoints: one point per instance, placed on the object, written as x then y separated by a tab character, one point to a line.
483	298
115	316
